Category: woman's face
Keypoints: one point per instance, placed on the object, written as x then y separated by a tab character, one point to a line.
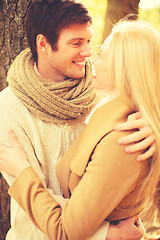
102	80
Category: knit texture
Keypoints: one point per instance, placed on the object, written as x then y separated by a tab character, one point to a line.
45	144
55	102
24	106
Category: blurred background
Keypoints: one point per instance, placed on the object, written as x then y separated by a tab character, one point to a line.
12	41
106	13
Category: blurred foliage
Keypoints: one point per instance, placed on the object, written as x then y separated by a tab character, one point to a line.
151	15
98	11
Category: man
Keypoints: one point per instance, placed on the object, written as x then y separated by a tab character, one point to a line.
50	94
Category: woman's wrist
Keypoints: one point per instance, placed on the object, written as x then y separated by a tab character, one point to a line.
21	167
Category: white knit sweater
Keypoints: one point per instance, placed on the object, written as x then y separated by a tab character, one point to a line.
45	144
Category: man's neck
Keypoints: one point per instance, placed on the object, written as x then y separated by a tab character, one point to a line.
36	69
48	75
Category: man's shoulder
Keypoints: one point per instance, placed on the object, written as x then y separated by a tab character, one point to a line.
10	104
8	98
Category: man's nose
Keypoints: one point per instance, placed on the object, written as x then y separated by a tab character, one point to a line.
86	51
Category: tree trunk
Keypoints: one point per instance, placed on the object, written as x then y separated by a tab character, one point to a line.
12	41
116	10
4	208
12	33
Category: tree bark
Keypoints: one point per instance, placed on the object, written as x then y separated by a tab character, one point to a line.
117	10
4	208
12	33
12	41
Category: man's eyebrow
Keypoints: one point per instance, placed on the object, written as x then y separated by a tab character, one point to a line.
75	39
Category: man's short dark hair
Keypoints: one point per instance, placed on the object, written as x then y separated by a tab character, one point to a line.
49	17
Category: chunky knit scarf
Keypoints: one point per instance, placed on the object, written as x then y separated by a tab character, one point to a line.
67	101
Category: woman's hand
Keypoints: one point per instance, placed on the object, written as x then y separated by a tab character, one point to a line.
13	160
142	139
129	229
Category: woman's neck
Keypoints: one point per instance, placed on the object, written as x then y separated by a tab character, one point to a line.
113	93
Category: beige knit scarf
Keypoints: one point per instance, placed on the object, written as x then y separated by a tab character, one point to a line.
67	101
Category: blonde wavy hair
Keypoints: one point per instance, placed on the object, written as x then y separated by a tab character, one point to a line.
133	55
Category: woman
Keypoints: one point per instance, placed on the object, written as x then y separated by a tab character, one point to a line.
101	180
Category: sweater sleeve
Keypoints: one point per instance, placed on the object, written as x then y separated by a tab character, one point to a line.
109	177
16	117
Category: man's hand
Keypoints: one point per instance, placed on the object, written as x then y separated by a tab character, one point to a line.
142	139
129	229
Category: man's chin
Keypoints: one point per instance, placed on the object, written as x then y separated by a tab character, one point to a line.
80	75
76	74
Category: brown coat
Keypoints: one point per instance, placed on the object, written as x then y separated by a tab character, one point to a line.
103	180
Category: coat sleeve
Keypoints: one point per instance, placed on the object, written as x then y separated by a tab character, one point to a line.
109	177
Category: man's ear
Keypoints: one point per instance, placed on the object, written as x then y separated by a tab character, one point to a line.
42	43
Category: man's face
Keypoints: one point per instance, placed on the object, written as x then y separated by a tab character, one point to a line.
74	46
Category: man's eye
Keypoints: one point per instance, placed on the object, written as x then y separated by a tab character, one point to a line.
76	44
